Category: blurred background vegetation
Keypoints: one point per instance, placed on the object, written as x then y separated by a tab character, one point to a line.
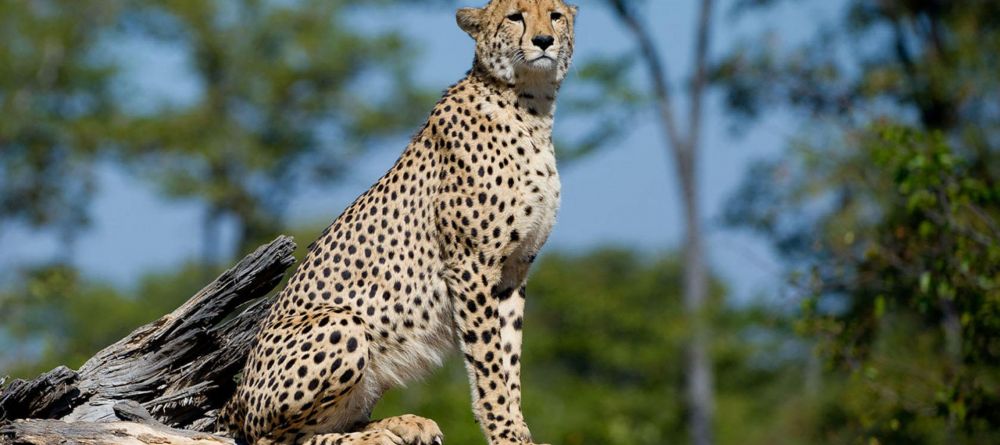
884	208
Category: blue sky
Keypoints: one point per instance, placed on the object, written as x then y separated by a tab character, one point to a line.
624	195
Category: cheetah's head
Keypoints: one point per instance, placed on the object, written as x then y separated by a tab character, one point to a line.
517	38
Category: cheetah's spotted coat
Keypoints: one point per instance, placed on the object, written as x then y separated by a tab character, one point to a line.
433	255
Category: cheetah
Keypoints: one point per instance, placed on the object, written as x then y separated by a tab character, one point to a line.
432	257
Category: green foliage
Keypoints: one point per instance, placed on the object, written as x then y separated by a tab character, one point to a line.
288	93
897	248
926	291
287	100
55	103
890	232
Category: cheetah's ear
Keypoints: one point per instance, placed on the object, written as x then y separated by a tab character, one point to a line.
468	19
573	9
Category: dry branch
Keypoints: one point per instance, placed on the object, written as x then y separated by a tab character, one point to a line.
168	377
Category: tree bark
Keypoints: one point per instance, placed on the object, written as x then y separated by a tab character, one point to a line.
180	368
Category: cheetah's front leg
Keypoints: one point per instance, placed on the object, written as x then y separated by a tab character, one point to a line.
488	321
511	310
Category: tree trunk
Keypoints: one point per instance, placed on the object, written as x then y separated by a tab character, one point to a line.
684	149
180	368
210	237
699	367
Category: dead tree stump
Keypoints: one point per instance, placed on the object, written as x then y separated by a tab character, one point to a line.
164	382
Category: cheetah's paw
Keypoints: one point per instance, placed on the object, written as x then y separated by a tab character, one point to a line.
413	430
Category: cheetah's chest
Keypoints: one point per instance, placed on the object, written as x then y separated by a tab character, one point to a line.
539	192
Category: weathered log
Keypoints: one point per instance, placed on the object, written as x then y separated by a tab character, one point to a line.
139	428
53	432
180	368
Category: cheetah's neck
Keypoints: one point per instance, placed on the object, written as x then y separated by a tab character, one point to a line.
532	94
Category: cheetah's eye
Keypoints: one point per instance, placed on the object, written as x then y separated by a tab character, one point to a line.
515	17
556	16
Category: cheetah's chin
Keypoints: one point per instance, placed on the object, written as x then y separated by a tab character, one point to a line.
541	63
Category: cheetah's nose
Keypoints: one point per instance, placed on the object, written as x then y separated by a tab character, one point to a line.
542	41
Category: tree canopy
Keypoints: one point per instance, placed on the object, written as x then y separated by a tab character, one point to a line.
886	208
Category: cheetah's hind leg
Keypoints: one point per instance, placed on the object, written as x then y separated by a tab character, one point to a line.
306	377
378	437
401	430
